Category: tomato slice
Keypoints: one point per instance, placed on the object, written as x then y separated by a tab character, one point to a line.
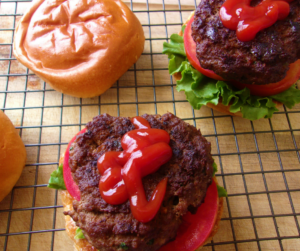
196	228
190	50
292	76
68	179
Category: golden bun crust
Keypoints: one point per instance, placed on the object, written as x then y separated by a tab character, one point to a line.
219	107
79	244
83	245
12	155
79	47
67	201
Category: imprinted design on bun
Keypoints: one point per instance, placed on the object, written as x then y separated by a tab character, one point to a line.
243	78
12	155
189	213
79	47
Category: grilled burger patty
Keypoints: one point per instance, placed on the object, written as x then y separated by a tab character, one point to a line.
189	173
262	60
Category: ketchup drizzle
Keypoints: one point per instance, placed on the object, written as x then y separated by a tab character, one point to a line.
248	21
145	150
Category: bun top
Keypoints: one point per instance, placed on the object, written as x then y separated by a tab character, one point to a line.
12	155
67	42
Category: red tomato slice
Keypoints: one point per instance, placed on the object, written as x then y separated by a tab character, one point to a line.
190	50
68	179
292	76
196	228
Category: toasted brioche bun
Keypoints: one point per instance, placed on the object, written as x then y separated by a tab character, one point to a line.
78	47
12	155
219	107
84	245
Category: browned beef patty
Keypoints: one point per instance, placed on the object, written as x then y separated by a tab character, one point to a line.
189	174
262	60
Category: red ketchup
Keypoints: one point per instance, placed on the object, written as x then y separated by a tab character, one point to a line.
248	21
145	150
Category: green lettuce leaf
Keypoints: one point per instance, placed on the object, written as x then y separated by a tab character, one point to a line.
200	90
124	246
56	180
290	97
79	234
175	46
221	190
215	169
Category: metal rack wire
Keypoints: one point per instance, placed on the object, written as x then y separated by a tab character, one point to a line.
259	162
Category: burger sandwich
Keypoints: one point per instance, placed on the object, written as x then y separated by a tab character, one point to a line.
79	48
144	183
239	57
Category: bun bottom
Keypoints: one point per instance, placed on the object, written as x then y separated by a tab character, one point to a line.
79	244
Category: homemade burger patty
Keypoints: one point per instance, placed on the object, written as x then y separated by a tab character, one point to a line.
262	60
189	173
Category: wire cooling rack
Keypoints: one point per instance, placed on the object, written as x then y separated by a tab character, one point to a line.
258	161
